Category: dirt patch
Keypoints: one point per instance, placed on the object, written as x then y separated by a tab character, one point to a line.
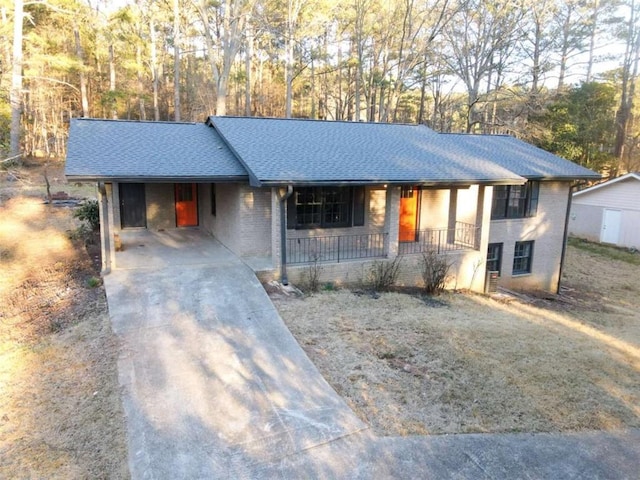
60	410
467	363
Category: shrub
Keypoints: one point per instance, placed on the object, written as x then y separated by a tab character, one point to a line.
89	213
435	270
384	274
82	234
312	280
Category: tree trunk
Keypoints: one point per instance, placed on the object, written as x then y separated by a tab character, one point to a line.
314	113
15	96
423	92
339	102
141	106
154	71
112	83
247	67
624	111
84	100
564	51
176	60
592	40
288	76
535	69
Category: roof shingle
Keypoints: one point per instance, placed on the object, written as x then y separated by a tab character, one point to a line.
520	157
117	149
277	151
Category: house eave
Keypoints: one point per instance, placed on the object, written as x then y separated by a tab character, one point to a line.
562	178
422	183
155	179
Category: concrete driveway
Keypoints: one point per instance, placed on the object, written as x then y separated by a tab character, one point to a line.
215	386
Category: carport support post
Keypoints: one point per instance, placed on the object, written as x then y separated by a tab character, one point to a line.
105	231
283	235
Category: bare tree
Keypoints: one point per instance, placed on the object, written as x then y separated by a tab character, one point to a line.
482	32
571	29
624	115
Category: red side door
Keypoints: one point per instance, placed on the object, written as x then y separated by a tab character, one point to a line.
408	214
186	204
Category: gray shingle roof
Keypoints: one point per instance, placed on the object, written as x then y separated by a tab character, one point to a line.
520	157
277	151
115	149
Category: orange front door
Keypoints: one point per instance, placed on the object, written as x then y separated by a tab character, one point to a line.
408	214
186	204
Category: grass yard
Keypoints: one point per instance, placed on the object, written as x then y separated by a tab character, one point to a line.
60	411
462	363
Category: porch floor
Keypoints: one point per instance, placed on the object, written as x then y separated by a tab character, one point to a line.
176	247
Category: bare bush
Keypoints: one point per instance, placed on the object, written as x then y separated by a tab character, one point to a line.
384	274
435	270
312	274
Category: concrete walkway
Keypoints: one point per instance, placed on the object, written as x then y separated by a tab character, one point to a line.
215	386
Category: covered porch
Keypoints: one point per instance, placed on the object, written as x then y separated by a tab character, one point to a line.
340	248
396	220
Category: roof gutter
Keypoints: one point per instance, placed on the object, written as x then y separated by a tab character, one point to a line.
283	235
422	183
563	178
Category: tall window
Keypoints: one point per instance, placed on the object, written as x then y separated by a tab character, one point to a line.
494	257
522	257
515	201
326	207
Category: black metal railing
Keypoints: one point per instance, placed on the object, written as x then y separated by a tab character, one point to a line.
464	236
336	248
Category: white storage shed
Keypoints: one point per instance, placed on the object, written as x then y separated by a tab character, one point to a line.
608	212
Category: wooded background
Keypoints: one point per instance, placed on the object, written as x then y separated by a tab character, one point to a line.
558	73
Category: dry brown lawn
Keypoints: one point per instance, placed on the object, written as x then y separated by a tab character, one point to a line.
461	363
60	411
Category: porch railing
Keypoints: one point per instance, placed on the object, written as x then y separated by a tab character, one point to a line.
464	236
336	248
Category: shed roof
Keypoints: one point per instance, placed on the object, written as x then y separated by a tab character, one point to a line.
159	151
627	177
521	157
278	151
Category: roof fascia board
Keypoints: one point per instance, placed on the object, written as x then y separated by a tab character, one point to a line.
94	178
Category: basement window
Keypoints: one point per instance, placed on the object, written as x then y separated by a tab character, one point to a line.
522	258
